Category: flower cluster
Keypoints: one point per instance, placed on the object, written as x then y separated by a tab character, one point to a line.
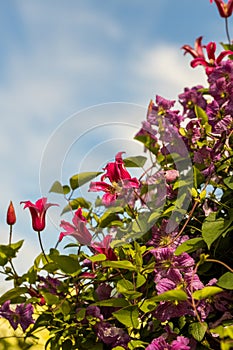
150	263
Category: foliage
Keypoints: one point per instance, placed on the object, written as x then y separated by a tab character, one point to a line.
151	266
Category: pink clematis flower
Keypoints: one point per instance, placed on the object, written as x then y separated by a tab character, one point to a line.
225	10
199	58
38	211
104	248
120	180
78	230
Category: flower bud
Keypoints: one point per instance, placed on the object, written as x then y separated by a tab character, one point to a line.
11	217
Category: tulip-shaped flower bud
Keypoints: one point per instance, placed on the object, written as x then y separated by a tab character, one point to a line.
11	217
38	211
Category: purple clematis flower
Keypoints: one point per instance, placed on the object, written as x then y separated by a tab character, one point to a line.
22	315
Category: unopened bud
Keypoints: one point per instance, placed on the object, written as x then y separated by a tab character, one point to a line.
11	217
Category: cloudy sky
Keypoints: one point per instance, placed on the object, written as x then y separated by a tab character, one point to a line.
76	78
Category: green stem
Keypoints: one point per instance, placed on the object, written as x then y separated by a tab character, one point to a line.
41	246
221	263
10	235
227	31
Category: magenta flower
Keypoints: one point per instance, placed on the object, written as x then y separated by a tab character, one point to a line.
104	248
78	229
197	51
121	181
225	10
38	211
181	343
199	58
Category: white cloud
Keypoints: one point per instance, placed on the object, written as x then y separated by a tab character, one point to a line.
165	71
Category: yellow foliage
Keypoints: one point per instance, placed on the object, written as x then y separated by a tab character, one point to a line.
14	340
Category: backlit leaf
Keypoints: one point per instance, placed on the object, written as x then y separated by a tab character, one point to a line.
80	179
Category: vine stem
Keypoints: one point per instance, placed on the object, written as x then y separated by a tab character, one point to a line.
221	263
41	246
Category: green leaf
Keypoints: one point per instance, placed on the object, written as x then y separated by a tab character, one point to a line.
123	264
201	114
57	187
75	204
198	177
107	218
206	292
9	251
118	348
67	264
171	295
126	288
223	331
229	182
98	257
114	302
198	330
65	307
135	162
214	227
147	305
80	179
13	294
128	316
51	299
16	246
226	281
136	344
191	245
140	280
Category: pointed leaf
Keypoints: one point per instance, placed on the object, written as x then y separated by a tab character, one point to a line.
123	264
135	162
229	182
226	281
128	316
13	294
206	292
191	245
57	187
82	178
214	227
198	330
75	204
201	114
67	264
114	302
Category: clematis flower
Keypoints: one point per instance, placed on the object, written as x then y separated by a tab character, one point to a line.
224	9
197	51
21	316
78	229
104	248
120	179
38	212
199	57
181	343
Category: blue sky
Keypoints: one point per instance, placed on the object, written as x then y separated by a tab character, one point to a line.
58	60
